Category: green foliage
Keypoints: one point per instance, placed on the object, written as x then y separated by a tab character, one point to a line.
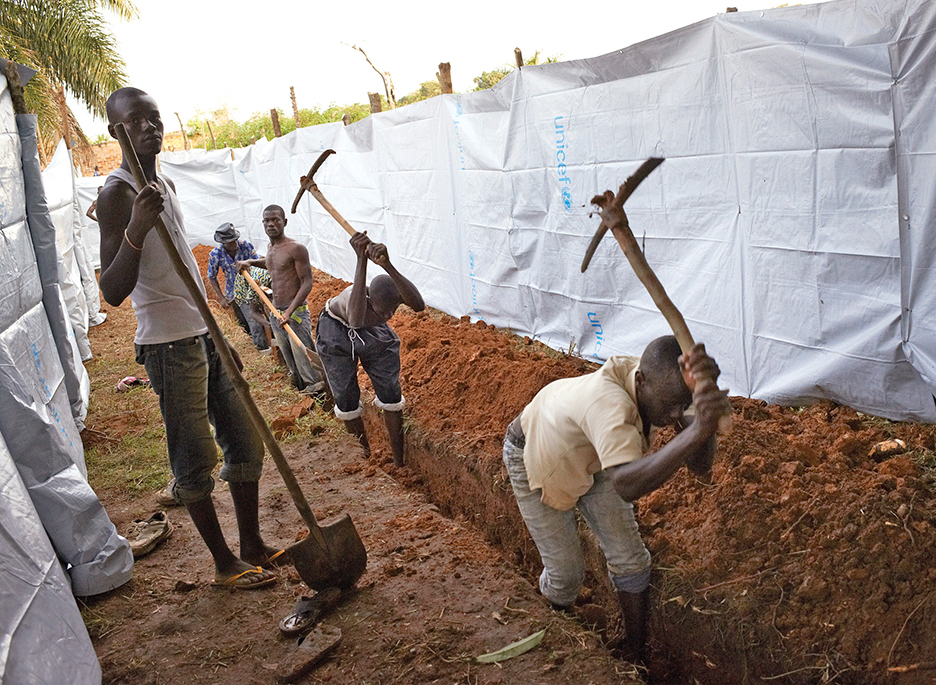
69	43
426	90
489	78
230	133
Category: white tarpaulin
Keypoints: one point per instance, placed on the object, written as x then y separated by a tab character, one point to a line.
48	503
788	223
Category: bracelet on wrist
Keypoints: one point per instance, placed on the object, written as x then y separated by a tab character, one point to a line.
127	238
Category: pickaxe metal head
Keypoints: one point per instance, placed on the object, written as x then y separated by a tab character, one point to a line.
612	206
306	182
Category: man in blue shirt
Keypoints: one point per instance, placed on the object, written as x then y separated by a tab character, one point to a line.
225	258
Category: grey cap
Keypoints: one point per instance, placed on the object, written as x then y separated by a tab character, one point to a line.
226	233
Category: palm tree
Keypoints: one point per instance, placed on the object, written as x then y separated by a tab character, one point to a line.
71	46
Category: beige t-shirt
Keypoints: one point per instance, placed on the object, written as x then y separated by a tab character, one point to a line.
575	427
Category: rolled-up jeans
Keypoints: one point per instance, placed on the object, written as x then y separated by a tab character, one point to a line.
196	394
557	539
297	362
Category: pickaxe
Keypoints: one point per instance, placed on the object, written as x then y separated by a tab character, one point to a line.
306	183
611	209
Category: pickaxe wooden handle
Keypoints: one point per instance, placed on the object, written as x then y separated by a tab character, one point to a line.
227	359
611	210
306	183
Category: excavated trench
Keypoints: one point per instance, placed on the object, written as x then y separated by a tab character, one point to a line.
806	557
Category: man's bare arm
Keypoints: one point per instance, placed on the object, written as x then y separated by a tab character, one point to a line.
638	478
126	219
408	292
357	299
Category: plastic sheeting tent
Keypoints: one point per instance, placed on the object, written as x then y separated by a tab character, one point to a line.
51	521
789	223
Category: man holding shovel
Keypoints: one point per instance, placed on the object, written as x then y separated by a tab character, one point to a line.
583	442
195	393
291	280
353	325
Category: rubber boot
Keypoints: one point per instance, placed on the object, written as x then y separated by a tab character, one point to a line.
635	610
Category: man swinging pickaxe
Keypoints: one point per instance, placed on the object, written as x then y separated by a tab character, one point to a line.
611	209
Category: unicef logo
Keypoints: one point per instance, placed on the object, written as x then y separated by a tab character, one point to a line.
567	199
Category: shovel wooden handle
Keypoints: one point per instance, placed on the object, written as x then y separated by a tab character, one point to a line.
240	385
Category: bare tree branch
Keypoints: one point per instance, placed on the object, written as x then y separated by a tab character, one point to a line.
384	75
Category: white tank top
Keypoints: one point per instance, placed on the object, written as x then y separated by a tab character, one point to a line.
164	308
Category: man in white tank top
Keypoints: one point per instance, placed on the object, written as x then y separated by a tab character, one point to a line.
180	358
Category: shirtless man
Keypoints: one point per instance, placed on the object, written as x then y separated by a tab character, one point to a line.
353	326
172	342
291	281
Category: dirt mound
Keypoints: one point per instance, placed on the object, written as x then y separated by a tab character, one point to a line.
802	558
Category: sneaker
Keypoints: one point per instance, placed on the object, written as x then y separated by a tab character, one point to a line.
144	535
164	497
266	350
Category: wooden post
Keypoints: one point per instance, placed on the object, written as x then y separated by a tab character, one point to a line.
345	118
63	109
292	96
214	145
518	56
274	115
185	140
445	77
374	102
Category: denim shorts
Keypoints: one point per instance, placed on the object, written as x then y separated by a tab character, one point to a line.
557	538
196	394
378	348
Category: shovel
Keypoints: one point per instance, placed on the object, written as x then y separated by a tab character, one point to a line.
332	555
313	358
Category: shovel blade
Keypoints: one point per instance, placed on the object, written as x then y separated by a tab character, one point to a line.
341	565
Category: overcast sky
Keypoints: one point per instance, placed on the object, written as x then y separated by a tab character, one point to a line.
193	55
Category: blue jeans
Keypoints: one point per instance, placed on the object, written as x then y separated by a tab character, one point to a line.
196	394
303	374
556	534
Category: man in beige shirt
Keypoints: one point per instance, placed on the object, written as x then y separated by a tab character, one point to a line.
582	442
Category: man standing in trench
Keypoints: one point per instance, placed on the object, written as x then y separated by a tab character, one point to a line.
291	281
353	325
195	392
582	442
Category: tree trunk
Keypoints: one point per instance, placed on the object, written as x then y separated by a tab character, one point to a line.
374	102
274	115
445	77
214	145
292	96
63	109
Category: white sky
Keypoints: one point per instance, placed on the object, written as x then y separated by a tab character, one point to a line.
192	55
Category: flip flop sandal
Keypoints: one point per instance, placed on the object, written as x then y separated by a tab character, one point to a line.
280	558
232	581
307	611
